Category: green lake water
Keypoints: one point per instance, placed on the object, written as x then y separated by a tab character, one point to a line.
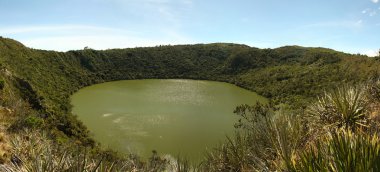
173	117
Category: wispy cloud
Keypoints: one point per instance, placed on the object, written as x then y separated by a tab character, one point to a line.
334	24
70	37
165	10
370	12
371	53
166	16
65	43
373	13
187	2
375	1
56	28
160	23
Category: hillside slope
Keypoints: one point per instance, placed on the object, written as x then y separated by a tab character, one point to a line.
56	75
291	75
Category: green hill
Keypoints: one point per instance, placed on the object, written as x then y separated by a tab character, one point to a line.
295	71
291	75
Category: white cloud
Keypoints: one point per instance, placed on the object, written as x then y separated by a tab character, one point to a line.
375	1
161	23
65	43
370	12
55	28
371	53
71	37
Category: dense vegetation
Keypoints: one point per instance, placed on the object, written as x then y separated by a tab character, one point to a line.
37	84
338	132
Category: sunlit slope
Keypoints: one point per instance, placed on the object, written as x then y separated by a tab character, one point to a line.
289	74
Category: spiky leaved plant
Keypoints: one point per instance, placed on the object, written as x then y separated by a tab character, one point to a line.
34	152
343	107
266	141
342	150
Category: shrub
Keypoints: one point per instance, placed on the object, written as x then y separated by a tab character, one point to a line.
344	107
34	151
33	122
266	140
374	90
342	150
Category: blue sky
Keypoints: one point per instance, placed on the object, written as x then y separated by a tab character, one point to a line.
345	25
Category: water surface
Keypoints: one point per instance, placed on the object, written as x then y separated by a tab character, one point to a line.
174	117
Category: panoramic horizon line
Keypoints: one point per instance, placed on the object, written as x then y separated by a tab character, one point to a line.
68	37
200	43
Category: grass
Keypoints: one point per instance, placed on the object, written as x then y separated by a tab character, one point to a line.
38	84
338	132
342	150
266	140
4	148
344	107
33	151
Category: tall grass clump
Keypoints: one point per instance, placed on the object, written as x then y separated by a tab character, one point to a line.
374	98
33	151
374	90
338	132
344	107
266	140
342	150
4	148
348	118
